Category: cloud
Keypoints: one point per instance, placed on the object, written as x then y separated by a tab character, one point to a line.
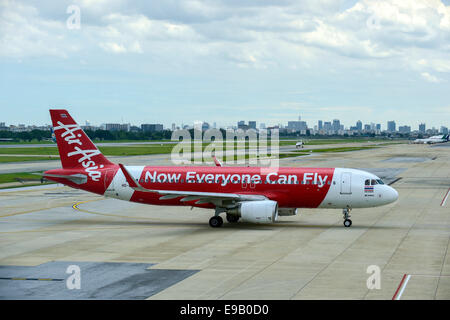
430	78
402	34
23	33
113	47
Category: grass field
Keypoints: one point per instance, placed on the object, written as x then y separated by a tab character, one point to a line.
156	149
341	149
18	176
7	159
44	153
108	151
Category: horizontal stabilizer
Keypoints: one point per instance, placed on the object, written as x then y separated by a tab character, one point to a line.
77	178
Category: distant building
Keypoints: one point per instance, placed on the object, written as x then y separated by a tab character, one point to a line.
252	125
205	126
117	127
336	125
89	127
444	130
378	126
241	125
422	128
297	125
154	127
404	129
262	125
320	125
367	127
391	126
359	125
327	126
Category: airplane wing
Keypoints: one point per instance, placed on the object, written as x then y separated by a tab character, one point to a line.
201	197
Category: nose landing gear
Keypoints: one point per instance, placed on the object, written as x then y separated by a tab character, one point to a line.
346	213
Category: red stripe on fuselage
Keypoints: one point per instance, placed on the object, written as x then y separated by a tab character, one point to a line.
285	185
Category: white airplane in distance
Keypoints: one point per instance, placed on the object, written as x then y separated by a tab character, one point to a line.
433	139
299	145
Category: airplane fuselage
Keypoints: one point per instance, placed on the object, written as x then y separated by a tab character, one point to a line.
290	187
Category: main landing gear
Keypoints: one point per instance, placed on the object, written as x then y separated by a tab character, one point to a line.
216	221
347	221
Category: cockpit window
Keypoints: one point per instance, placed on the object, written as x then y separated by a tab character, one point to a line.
372	182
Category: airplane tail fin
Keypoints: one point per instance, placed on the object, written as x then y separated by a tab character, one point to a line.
76	150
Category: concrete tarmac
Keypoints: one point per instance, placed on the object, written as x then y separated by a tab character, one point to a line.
43	230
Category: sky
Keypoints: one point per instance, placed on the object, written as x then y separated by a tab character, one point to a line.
222	61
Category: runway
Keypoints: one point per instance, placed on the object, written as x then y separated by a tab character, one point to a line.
132	251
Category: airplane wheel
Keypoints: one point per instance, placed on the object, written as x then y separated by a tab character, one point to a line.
347	223
232	218
216	222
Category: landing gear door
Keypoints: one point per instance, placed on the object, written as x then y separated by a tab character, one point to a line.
346	183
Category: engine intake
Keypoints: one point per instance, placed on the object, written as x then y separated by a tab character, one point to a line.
264	211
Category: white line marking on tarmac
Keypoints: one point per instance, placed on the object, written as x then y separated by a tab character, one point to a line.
445	198
401	287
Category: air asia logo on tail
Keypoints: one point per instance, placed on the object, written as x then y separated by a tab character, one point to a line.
71	137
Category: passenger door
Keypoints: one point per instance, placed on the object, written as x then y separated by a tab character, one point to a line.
346	183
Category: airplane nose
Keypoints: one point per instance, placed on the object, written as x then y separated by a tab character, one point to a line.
393	195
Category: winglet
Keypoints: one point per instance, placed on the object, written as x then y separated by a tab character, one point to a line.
217	162
131	181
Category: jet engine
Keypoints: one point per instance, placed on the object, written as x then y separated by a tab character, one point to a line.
287	211
264	211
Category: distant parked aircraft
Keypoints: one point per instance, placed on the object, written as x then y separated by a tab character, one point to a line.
433	140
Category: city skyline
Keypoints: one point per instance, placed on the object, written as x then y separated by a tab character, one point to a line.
334	125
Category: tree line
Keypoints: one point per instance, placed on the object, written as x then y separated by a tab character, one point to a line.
41	135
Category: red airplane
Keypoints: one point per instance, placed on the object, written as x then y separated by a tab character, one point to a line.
252	194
